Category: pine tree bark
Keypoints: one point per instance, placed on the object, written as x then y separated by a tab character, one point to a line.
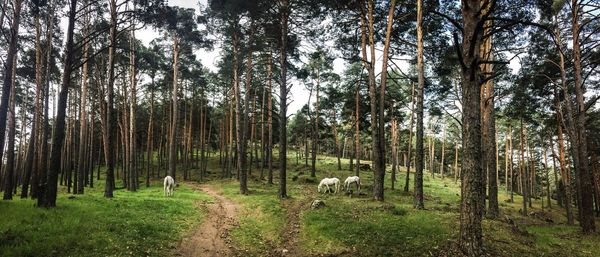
29	164
410	137
9	63
270	119
150	141
9	178
524	173
472	176
420	151
357	135
443	152
284	11
133	179
394	132
584	178
109	185
49	198
315	134
174	112
83	112
489	124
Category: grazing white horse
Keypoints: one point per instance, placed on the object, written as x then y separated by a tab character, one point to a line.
352	180
169	185
326	182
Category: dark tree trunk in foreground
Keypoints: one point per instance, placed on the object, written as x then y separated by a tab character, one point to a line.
284	12
49	198
8	69
584	178
109	155
420	151
10	148
472	176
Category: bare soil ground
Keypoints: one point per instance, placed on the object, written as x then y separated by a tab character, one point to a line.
211	237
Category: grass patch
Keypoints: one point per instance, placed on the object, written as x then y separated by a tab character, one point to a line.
143	223
261	221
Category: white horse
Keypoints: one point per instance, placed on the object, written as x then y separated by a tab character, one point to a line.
326	182
352	180
169	185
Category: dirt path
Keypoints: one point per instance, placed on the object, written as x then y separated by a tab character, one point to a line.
292	229
210	237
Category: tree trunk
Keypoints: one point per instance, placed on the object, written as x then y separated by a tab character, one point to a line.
9	63
285	11
357	135
133	179
83	113
109	134
49	199
242	114
29	164
584	178
420	151
472	175
410	136
263	142
443	152
174	112
394	138
10	148
150	142
315	135
524	174
489	124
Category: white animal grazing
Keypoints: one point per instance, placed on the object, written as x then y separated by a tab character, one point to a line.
352	180
169	185
326	182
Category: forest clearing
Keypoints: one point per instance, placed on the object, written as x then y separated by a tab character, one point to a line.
300	128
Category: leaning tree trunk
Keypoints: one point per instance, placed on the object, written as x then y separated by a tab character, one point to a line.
49	198
410	136
9	63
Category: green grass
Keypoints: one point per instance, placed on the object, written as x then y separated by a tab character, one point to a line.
143	223
139	224
358	226
260	220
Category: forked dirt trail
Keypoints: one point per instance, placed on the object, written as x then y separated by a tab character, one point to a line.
209	238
